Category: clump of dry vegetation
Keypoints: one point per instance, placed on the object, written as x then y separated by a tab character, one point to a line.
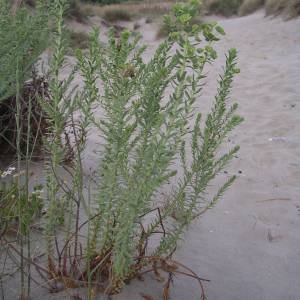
135	9
287	8
75	11
290	8
250	6
35	122
77	39
223	7
116	14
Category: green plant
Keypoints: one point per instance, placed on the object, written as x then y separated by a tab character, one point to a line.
19	208
10	194
193	9
23	37
148	110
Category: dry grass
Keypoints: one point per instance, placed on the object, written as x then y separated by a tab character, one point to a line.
33	91
75	11
134	9
275	7
222	7
289	8
293	9
250	6
162	32
77	40
117	14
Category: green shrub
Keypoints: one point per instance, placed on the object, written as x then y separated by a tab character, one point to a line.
147	113
23	37
192	9
224	7
11	197
250	6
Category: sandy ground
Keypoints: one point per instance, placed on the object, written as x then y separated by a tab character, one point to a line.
248	246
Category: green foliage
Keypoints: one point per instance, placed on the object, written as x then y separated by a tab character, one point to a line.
224	7
23	37
189	13
58	111
11	197
146	126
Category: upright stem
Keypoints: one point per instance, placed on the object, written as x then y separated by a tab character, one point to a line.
27	191
19	154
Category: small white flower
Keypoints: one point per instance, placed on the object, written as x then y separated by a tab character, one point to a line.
9	171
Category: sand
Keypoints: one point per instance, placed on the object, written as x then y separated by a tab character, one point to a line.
248	246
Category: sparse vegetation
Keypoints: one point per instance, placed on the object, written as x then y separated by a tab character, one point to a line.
33	119
289	8
149	120
193	10
75	11
138	9
116	14
23	37
10	194
227	8
223	7
250	6
77	39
